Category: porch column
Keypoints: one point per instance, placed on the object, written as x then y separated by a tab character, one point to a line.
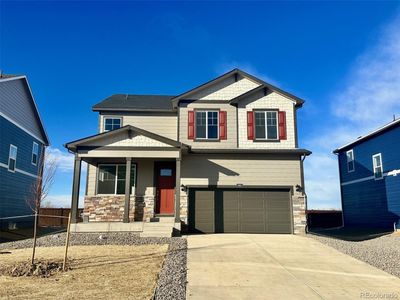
75	189
178	191
127	189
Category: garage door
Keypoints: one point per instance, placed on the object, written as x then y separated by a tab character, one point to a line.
244	211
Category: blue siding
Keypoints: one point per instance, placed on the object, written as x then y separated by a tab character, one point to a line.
372	203
15	187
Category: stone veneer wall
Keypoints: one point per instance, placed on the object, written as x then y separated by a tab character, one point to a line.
299	213
111	208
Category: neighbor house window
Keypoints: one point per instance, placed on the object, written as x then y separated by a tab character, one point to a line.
377	165
112	123
350	161
207	124
12	158
111	179
35	153
266	125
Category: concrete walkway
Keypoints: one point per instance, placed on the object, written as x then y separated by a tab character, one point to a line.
243	266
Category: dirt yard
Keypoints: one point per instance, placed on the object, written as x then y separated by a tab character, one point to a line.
98	272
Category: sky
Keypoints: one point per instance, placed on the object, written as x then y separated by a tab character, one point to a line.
343	58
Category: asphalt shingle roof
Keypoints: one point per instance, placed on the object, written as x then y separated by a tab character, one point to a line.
135	102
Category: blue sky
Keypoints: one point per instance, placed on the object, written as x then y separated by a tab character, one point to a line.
336	55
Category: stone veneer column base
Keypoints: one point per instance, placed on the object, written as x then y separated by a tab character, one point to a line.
111	208
299	214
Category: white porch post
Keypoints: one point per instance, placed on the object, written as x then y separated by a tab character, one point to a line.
127	189
178	191
75	189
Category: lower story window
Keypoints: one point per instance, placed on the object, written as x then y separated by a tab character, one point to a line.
111	179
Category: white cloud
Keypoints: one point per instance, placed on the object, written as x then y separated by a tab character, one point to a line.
373	86
244	66
322	181
65	160
368	100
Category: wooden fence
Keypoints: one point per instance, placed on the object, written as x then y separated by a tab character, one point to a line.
48	217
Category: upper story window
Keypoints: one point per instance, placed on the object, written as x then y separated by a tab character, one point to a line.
35	153
206	124
111	179
266	125
12	158
350	161
378	166
112	123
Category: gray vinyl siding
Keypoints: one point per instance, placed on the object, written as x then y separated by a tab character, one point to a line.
16	104
164	124
245	169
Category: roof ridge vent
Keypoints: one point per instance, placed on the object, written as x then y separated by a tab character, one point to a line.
126	97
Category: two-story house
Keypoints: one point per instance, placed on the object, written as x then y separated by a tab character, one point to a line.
369	169
22	144
222	157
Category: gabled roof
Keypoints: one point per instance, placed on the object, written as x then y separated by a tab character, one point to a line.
235	72
125	102
267	87
376	132
6	78
128	128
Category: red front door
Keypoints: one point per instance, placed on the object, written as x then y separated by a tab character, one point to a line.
165	187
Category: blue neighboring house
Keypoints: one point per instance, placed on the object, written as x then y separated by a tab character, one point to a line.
23	140
369	171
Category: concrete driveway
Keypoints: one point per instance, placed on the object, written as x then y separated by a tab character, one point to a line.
244	266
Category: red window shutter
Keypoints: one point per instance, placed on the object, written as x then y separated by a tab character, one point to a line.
282	125
250	125
191	125
222	125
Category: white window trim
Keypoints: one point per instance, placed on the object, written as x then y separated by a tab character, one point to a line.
353	160
110	117
9	158
195	125
266	125
375	166
116	180
37	154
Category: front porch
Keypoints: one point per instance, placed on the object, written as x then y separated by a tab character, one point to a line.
130	186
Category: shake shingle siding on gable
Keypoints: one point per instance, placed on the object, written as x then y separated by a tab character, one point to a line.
368	202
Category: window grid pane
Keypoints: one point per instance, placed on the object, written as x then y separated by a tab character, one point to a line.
112	123
112	179
212	125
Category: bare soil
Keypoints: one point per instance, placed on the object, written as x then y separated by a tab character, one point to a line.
96	272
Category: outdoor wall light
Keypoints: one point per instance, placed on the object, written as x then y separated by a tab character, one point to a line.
183	188
299	188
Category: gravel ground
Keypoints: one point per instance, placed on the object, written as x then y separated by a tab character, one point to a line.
171	283
382	252
172	279
114	238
